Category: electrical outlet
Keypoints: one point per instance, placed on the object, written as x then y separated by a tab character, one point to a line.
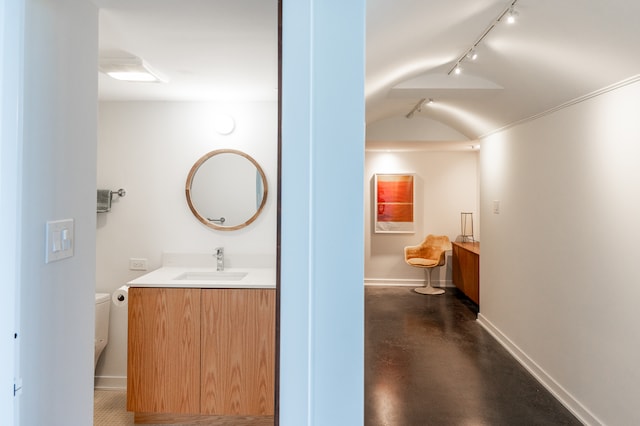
137	264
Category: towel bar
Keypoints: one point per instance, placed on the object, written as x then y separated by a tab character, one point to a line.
104	199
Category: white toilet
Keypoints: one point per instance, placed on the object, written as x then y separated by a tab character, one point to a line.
103	303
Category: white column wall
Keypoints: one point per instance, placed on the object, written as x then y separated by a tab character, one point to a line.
322	300
58	182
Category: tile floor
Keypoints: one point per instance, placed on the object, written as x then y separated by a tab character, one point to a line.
110	408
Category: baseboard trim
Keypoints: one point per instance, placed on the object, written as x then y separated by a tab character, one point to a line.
561	394
197	419
110	382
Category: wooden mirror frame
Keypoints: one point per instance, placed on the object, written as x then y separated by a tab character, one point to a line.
189	182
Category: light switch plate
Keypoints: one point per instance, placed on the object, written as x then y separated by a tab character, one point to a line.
59	240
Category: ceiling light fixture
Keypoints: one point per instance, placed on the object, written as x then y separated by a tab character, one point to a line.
512	15
130	68
470	53
417	107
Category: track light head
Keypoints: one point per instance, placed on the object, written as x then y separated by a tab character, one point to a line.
512	15
457	70
473	54
417	107
427	103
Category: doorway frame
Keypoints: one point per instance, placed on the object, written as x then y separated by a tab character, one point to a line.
11	71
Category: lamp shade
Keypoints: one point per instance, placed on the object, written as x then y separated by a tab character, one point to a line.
466	226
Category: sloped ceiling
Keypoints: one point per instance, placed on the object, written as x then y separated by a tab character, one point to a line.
557	51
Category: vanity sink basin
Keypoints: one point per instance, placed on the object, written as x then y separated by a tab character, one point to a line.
196	276
211	276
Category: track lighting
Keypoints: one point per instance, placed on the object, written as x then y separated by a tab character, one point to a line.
417	107
511	15
472	54
428	103
424	102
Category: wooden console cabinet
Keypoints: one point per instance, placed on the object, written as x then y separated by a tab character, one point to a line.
466	268
201	352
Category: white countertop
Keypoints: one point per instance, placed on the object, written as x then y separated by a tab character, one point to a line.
167	276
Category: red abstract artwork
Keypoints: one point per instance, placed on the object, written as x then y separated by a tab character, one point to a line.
394	202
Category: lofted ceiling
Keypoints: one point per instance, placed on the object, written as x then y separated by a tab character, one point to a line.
556	52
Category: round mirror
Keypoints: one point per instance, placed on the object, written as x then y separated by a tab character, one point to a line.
226	189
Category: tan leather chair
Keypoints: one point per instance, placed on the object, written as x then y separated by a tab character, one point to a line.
430	254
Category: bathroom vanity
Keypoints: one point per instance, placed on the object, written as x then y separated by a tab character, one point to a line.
201	347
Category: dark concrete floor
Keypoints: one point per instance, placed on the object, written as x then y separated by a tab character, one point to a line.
428	362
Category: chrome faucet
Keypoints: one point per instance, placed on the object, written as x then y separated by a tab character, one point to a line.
219	259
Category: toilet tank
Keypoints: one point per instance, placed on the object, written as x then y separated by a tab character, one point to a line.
103	303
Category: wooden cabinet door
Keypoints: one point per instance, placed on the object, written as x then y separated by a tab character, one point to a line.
163	366
466	271
238	352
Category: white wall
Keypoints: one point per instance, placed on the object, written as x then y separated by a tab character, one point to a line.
446	184
58	182
558	265
148	148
